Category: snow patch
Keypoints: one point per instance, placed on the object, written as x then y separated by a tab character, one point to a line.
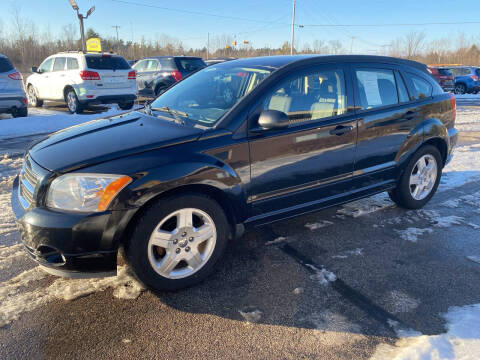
474	258
332	321
278	240
318	225
251	315
461	341
14	302
323	276
397	302
412	234
448	221
298	290
464	168
347	253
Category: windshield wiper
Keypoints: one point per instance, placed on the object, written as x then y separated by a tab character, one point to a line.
175	113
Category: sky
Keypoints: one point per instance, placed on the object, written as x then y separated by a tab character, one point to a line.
261	22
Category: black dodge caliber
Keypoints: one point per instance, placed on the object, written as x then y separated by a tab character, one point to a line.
235	145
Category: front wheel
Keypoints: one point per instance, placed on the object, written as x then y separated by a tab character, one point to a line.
420	179
73	104
177	241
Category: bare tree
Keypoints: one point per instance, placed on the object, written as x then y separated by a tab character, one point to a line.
414	42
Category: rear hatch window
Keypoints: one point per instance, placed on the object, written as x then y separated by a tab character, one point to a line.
189	64
445	72
102	62
5	65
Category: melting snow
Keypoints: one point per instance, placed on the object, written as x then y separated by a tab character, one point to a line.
251	315
411	234
474	258
278	240
347	253
323	276
397	301
461	341
318	225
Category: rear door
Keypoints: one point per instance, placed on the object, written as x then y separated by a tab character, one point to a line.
313	158
150	69
140	67
57	79
113	71
386	116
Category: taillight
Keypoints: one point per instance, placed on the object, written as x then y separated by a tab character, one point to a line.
132	75
474	77
453	102
177	75
15	76
89	75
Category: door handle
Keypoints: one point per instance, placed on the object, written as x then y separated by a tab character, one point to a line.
340	130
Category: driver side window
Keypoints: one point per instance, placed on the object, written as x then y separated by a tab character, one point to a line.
46	66
311	96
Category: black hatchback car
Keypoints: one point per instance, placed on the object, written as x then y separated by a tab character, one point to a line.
238	144
156	74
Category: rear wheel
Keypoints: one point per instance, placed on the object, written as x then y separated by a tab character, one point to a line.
460	89
33	99
177	241
126	105
22	112
420	179
73	104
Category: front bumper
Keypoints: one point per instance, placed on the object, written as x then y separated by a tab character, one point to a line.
69	243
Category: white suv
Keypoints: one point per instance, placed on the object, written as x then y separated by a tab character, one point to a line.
80	79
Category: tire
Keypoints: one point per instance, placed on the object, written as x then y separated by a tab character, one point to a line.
126	106
180	245
74	106
33	99
408	193
460	89
22	112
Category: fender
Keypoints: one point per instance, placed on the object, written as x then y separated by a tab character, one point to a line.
427	130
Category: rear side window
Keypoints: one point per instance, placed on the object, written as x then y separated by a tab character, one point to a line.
189	64
402	89
421	88
167	64
107	63
5	65
376	88
59	64
72	64
460	71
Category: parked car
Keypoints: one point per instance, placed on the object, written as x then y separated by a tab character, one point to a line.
12	93
218	60
466	79
156	74
82	79
233	146
444	77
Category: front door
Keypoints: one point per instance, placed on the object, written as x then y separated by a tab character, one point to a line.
311	160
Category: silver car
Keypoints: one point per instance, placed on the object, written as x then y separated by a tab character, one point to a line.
12	93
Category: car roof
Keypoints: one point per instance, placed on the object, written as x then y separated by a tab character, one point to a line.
279	61
171	57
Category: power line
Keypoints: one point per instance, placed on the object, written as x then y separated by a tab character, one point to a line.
392	24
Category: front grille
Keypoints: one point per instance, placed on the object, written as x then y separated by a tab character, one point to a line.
28	183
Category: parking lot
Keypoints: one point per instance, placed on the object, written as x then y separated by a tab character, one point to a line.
359	281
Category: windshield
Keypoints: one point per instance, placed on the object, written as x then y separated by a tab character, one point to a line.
207	95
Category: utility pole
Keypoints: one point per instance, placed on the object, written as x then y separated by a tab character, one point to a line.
118	43
80	19
293	29
208	44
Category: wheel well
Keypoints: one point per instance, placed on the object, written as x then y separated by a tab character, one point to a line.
68	87
441	145
201	189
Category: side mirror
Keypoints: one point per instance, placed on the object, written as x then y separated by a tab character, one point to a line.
34	69
273	120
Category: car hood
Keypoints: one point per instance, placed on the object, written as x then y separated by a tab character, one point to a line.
106	139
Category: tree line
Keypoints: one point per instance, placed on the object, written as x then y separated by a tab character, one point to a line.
26	46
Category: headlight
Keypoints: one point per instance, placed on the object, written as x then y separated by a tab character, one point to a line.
85	192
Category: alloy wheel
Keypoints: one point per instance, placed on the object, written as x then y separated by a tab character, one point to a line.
182	243
72	101
423	177
32	97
